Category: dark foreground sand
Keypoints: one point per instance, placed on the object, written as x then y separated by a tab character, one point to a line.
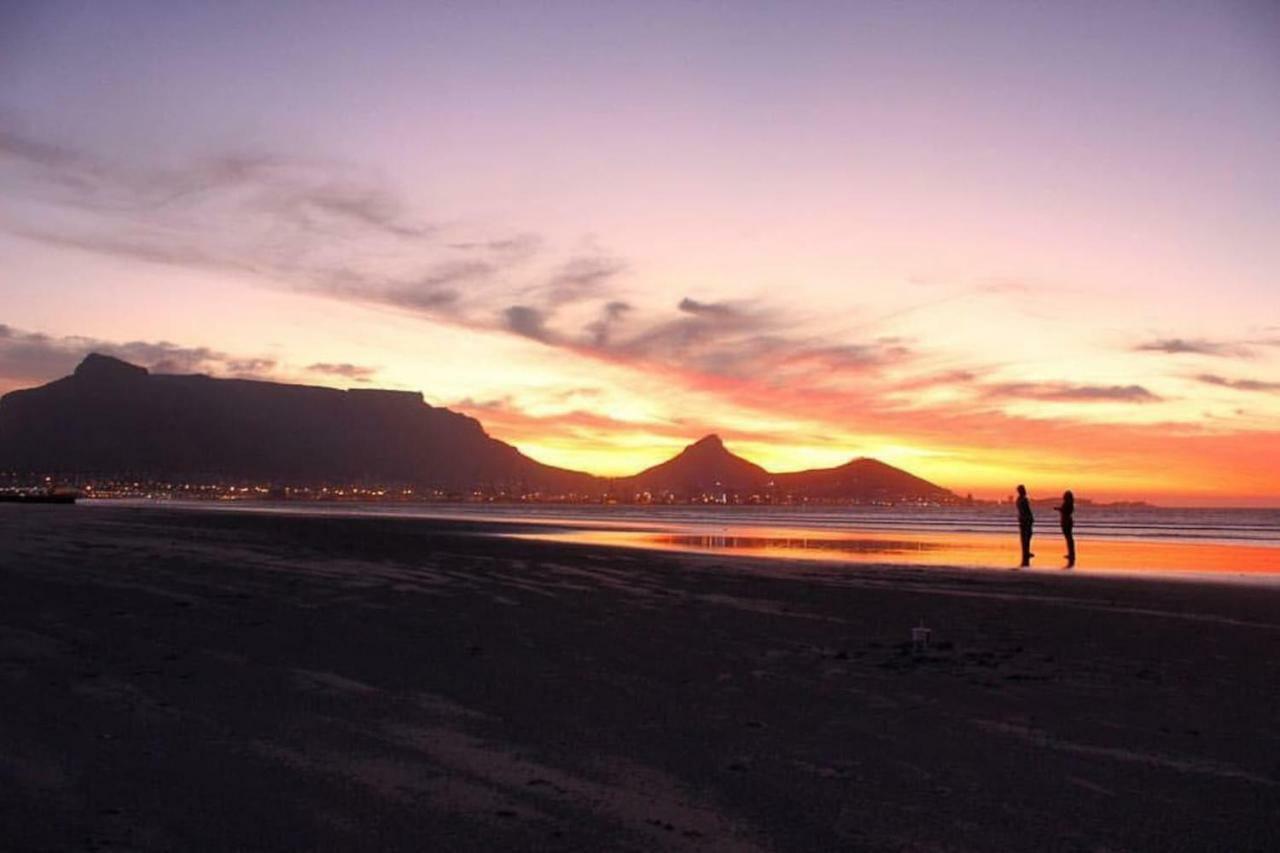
180	681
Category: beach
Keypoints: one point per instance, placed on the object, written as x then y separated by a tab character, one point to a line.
187	679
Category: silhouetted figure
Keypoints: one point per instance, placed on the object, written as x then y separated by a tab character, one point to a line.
1025	520
1068	511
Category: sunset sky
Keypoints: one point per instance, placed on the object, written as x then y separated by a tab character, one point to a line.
987	242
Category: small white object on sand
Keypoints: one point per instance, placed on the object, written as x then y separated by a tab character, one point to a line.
920	637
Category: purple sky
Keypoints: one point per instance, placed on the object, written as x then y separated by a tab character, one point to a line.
1050	203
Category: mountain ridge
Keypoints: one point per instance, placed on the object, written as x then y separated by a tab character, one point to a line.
110	417
708	467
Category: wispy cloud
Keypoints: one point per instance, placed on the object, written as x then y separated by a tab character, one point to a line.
18	147
302	224
722	310
510	248
600	428
1239	384
1196	346
947	378
600	331
354	372
304	196
1062	392
582	278
29	358
138	248
527	322
732	339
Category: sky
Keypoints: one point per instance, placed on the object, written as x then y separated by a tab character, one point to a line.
987	242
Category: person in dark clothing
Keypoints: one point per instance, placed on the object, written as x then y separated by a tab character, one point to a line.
1068	511
1025	520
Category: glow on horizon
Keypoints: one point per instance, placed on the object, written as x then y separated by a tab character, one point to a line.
988	242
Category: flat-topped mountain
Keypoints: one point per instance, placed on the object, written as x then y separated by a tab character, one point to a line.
111	419
114	418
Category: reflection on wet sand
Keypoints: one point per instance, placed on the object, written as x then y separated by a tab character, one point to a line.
789	544
940	549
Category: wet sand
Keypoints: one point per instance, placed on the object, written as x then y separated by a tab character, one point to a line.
188	680
1133	556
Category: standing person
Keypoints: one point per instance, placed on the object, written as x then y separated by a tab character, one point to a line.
1068	511
1025	520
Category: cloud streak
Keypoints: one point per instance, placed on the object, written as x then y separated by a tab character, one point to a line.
354	372
721	310
527	322
582	278
1253	385
1062	392
944	379
731	339
31	358
1195	346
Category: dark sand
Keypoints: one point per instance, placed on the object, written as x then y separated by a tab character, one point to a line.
189	680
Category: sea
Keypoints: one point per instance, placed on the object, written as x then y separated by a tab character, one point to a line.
1121	540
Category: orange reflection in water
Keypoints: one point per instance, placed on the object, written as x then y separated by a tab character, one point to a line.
942	549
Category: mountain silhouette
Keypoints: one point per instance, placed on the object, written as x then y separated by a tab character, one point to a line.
112	419
869	479
705	466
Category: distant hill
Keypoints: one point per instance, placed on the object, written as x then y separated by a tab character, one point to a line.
113	419
868	479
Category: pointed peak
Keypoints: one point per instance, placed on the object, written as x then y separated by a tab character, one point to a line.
866	462
99	366
711	440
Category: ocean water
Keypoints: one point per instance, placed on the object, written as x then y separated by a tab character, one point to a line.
1133	540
